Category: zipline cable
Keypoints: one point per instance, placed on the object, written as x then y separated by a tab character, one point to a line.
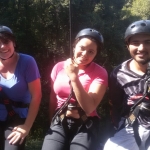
70	24
71	55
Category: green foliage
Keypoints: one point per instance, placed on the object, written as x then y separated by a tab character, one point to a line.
35	144
140	8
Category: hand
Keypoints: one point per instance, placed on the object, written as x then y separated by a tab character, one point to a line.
18	134
71	68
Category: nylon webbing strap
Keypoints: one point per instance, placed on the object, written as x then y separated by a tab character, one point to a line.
15	104
132	117
9	108
134	111
7	103
64	106
88	123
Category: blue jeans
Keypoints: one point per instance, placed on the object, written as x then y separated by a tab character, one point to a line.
125	140
72	135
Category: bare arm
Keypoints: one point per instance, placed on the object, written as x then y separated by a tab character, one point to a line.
87	100
21	131
91	99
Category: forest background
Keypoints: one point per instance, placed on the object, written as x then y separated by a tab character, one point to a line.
41	28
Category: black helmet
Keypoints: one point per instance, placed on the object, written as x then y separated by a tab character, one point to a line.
6	33
93	34
4	29
137	27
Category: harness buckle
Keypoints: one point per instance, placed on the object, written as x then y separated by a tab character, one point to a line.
132	117
89	123
145	108
71	106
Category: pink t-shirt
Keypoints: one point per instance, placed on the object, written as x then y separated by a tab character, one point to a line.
93	73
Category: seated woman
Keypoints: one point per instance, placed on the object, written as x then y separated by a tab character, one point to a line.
20	93
76	126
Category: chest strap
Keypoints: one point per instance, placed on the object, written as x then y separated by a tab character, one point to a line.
132	117
9	103
9	108
14	103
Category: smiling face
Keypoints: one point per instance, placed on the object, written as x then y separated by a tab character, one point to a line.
84	52
6	48
139	48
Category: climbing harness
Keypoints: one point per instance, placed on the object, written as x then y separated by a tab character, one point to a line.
141	105
9	105
61	112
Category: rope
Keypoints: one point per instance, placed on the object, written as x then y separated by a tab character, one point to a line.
70	21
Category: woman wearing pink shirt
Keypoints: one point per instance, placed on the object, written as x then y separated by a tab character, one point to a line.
76	126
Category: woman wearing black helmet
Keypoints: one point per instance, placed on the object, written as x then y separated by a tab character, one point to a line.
76	125
20	93
128	89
